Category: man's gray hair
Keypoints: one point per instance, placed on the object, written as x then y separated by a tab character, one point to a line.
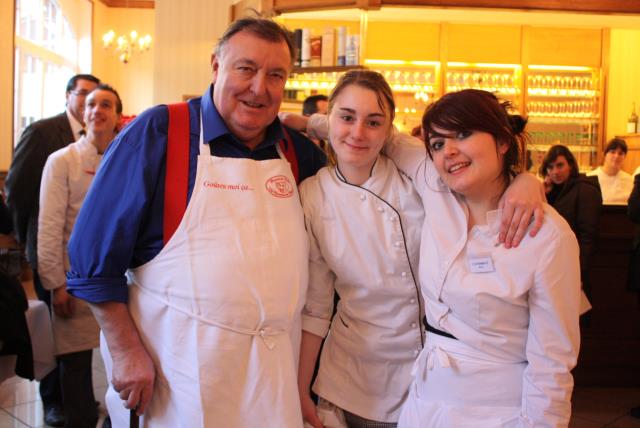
264	28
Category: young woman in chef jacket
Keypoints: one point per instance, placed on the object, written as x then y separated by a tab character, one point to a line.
363	218
364	222
502	332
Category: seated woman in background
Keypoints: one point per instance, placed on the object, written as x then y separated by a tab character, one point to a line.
615	183
502	325
576	198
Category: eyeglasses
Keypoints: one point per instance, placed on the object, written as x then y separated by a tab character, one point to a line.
80	93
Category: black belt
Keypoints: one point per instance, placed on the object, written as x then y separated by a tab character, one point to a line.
432	329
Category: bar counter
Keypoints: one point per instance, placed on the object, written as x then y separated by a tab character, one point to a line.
610	332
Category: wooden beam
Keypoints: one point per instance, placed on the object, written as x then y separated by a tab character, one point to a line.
134	4
592	6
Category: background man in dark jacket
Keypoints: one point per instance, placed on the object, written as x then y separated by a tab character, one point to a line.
22	186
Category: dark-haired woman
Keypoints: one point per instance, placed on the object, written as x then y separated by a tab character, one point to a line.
502	325
577	198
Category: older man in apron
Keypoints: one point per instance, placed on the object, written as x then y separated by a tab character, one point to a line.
207	335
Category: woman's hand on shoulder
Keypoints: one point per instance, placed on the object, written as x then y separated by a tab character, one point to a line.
521	204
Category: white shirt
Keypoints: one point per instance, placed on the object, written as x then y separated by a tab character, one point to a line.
76	127
66	178
523	309
637	171
364	245
615	188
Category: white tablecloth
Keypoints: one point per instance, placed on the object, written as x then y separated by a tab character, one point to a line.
44	360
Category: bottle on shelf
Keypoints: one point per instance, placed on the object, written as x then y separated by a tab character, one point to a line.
341	46
353	47
632	122
305	55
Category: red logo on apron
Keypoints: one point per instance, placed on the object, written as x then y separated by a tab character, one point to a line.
279	186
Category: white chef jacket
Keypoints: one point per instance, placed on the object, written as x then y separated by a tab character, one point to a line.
364	245
66	178
525	309
615	188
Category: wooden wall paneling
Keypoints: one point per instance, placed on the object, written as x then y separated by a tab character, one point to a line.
593	6
484	43
444	57
280	6
632	160
566	46
525	35
243	7
136	4
604	90
317	26
409	41
364	33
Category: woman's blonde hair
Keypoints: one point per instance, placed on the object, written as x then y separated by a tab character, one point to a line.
366	79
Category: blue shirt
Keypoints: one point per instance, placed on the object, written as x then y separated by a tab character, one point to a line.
120	223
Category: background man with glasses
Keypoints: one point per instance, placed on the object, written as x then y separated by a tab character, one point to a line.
22	187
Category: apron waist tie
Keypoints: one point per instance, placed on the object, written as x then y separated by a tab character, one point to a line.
425	363
265	333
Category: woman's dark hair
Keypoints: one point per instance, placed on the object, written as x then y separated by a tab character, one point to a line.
477	110
615	144
553	154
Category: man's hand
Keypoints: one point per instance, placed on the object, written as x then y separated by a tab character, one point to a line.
133	375
309	413
63	304
133	378
521	201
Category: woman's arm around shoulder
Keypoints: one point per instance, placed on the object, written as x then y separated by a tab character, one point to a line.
553	336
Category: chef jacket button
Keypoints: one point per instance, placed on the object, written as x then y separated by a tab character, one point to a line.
413	325
412	301
392	218
403	274
363	197
380	209
398	244
416	352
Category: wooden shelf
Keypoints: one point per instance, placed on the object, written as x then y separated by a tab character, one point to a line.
331	69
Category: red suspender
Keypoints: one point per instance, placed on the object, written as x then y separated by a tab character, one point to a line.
176	180
290	154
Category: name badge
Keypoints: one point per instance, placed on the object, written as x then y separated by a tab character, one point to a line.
481	264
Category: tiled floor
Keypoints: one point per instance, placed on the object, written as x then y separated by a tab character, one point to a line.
20	405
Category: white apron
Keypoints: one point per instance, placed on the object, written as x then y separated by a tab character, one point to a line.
456	386
216	307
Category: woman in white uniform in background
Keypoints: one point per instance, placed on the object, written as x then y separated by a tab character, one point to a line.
364	221
66	178
502	332
615	183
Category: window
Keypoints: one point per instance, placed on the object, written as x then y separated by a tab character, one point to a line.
46	56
